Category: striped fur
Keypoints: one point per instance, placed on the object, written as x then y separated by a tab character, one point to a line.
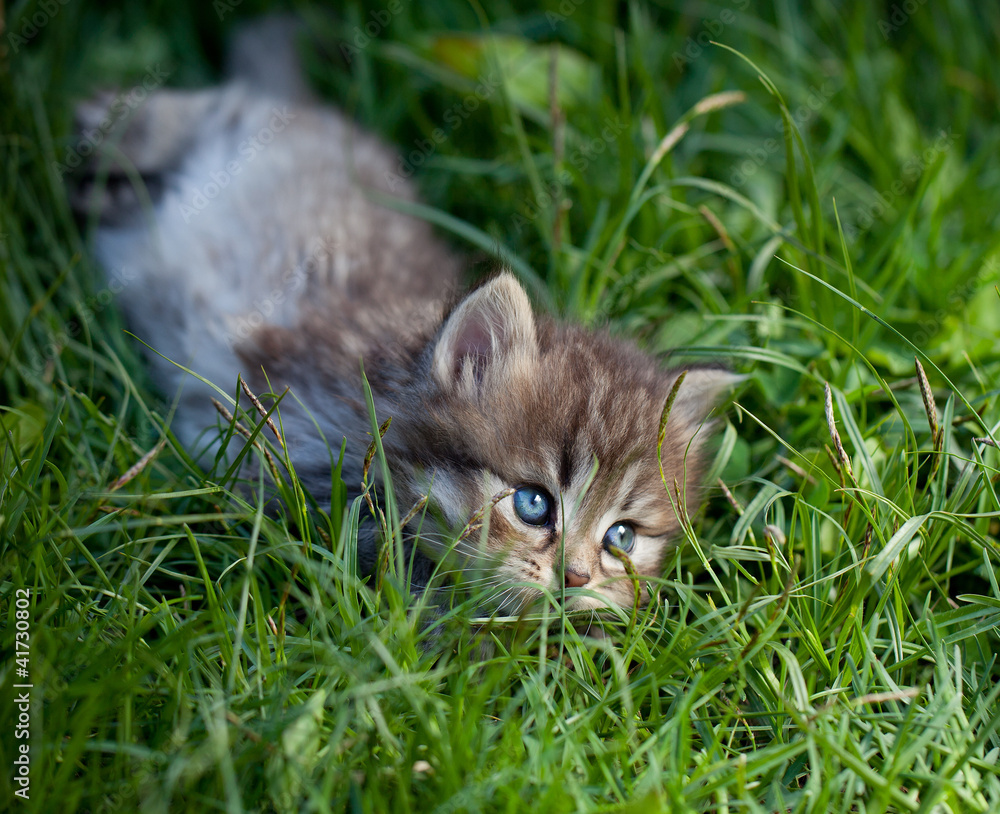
290	275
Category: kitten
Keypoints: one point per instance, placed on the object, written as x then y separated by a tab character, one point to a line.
263	255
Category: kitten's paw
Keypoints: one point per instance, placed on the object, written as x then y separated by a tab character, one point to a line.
150	133
113	174
125	146
114	198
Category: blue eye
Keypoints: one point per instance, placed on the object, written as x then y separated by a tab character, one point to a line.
620	536
533	506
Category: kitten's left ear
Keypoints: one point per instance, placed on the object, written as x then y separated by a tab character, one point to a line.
492	326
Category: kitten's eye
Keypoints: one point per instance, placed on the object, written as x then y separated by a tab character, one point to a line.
620	536
533	505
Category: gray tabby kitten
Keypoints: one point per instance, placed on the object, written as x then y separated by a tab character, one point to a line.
260	253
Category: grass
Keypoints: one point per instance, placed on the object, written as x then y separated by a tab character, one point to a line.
824	636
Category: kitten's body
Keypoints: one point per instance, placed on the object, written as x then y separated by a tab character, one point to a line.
289	275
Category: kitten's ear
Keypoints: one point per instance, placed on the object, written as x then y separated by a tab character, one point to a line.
492	326
701	390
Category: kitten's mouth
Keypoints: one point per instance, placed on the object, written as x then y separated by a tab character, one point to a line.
573	601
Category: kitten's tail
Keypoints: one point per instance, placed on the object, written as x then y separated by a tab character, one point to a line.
264	53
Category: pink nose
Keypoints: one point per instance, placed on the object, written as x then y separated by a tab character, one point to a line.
574	579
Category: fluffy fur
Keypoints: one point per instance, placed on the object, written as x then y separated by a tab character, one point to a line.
262	255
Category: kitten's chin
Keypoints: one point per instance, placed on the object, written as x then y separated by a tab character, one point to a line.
532	600
515	594
579	604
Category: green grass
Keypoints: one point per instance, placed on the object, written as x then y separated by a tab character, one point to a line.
824	636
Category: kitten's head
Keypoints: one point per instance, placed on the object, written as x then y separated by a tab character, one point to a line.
562	426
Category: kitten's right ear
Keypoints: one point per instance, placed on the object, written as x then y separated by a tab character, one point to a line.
492	329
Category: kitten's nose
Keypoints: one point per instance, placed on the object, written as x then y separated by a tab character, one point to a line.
574	579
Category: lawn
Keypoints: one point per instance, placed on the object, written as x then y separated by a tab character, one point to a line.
810	195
